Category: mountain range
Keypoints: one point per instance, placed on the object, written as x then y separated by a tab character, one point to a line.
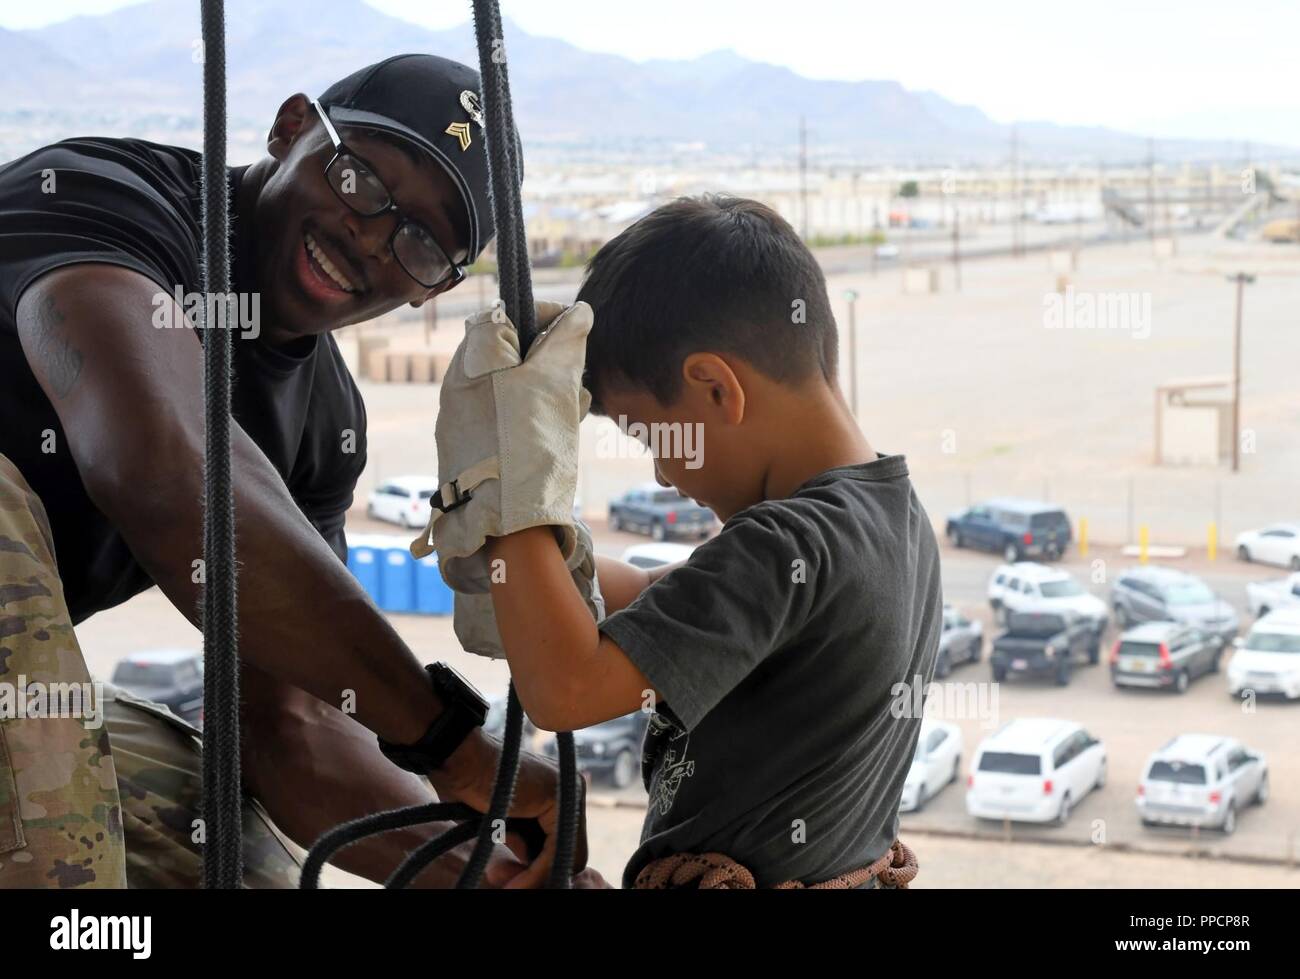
143	61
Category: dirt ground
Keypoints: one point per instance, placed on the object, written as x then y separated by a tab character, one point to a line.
984	401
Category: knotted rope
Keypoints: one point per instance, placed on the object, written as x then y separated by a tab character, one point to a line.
896	868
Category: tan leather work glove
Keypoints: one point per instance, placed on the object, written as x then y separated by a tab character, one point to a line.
475	619
507	436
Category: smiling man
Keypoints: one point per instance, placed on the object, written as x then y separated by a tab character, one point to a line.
373	195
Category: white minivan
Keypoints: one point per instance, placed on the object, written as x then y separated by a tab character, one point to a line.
1034	770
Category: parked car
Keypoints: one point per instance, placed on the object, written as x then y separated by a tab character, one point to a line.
1034	770
1201	780
1158	594
403	500
172	677
656	555
962	641
886	250
936	764
1044	643
1015	528
610	750
1031	587
660	512
1264	596
1168	655
1276	544
1268	659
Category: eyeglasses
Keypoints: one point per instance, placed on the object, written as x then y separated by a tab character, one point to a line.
356	184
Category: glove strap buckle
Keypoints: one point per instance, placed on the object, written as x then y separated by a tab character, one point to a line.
458	499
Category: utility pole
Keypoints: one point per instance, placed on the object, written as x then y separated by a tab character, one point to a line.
1242	280
956	245
1016	192
852	297
1151	189
430	318
803	174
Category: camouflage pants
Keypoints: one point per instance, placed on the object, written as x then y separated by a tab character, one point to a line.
158	758
75	812
60	820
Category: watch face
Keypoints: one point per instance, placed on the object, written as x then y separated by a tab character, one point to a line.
446	676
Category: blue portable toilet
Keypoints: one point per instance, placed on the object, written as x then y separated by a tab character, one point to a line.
432	596
397	579
363	562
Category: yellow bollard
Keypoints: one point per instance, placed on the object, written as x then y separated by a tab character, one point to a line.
1143	537
1083	537
1212	541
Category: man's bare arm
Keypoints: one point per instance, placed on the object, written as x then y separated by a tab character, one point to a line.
130	400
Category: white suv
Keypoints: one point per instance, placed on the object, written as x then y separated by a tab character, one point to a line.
1268	659
1201	780
1027	586
1034	770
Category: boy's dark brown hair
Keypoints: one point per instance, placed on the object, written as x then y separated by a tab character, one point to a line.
712	273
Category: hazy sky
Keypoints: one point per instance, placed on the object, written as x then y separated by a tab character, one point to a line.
1196	68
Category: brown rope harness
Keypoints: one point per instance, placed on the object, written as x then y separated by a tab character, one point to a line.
716	871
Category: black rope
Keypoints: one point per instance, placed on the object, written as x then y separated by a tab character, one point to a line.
505	173
223	842
566	842
503	792
428	852
355	830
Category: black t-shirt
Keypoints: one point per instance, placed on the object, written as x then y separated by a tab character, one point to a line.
134	203
777	650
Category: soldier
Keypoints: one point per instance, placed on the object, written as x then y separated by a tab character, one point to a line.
374	195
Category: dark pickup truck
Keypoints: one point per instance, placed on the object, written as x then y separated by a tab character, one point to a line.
1044	643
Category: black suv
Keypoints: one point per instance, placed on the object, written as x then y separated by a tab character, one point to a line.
1015	528
1044	643
610	749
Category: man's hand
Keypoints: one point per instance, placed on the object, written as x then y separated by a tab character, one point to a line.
469	776
507	435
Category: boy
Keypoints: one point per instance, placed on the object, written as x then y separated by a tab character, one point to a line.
772	658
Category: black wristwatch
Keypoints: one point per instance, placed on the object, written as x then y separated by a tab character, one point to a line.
463	709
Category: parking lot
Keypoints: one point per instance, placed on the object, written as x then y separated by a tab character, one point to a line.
1035	413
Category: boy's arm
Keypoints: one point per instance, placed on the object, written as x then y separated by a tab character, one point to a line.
567	674
621	583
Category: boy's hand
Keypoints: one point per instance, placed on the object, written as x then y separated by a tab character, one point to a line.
507	435
475	620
